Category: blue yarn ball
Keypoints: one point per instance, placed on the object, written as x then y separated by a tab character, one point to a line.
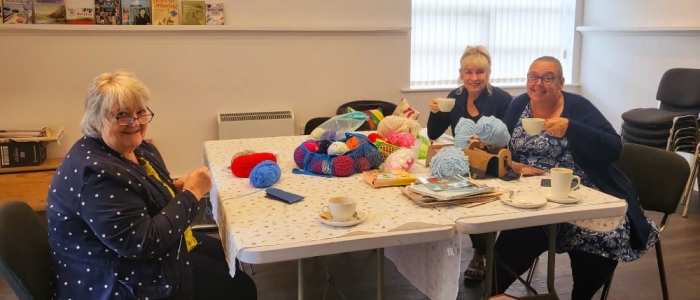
464	131
492	131
449	161
265	174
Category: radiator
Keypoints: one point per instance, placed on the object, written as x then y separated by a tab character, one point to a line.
255	124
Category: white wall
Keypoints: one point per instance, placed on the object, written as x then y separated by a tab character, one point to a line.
621	69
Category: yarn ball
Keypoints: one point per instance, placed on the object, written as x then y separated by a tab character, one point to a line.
374	136
317	166
244	152
343	166
311	145
492	131
374	157
399	124
449	161
265	174
337	148
464	131
352	143
328	135
362	164
401	139
323	147
242	165
316	133
299	154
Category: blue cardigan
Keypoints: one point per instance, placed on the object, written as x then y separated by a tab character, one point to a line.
114	231
595	146
495	105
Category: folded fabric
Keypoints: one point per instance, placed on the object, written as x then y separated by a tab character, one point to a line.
287	197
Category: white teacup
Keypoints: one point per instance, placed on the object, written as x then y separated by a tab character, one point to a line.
533	126
561	182
446	104
341	208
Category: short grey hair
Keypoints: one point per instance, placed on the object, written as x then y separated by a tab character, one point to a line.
555	61
119	88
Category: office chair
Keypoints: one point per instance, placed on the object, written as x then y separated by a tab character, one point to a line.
362	105
654	173
24	252
679	105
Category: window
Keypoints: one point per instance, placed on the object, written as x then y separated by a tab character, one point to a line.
514	31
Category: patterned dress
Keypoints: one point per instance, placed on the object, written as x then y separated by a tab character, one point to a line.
545	151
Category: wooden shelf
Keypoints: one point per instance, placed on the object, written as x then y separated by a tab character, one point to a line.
49	164
638	30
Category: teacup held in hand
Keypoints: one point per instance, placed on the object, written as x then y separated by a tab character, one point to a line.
446	104
533	126
339	209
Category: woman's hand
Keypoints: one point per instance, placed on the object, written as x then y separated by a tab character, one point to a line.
179	184
433	106
198	182
556	126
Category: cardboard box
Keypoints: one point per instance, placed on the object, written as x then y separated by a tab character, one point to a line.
22	154
23	148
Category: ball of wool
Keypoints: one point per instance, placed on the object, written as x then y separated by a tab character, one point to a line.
316	133
492	131
299	155
265	174
328	135
343	166
374	136
352	143
374	157
244	152
241	166
337	148
400	124
311	145
316	166
362	164
401	139
323	147
464	131
449	161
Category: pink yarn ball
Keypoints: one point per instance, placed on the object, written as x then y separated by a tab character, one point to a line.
299	154
312	146
401	139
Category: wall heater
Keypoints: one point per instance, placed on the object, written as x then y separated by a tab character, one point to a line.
255	124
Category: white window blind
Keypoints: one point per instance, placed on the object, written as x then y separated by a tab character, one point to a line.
515	32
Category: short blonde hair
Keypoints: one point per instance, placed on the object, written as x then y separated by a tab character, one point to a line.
121	89
478	56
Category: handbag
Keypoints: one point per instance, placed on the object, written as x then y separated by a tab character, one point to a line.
485	164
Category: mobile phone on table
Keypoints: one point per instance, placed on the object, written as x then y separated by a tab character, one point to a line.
546	182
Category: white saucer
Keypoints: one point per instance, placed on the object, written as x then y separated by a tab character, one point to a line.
361	215
526	200
572	198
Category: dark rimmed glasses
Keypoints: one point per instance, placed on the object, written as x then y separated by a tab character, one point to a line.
545	79
128	120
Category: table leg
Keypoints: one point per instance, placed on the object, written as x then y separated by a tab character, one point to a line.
550	257
380	274
490	267
300	279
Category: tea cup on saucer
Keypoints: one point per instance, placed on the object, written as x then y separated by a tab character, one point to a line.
339	209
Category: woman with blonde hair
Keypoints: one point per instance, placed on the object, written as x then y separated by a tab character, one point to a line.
474	98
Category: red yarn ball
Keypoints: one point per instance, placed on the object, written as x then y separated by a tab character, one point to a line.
311	145
374	136
316	166
362	164
242	165
343	166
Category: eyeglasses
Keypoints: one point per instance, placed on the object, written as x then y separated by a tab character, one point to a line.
545	79
143	119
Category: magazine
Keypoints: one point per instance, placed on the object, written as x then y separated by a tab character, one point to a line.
448	183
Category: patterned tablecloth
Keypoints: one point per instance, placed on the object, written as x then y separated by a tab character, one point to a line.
247	219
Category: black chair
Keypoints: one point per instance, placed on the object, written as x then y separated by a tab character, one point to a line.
25	261
313	123
655	174
679	105
361	105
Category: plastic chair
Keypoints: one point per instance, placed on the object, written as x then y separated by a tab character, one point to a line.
25	261
654	173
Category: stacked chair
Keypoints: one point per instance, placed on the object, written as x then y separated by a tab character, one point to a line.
672	126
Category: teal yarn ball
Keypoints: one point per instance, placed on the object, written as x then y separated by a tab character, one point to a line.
265	174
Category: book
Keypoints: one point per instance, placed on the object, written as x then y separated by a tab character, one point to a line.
215	14
80	15
194	13
165	12
107	12
450	194
467	201
17	11
49	12
377	178
136	12
447	183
